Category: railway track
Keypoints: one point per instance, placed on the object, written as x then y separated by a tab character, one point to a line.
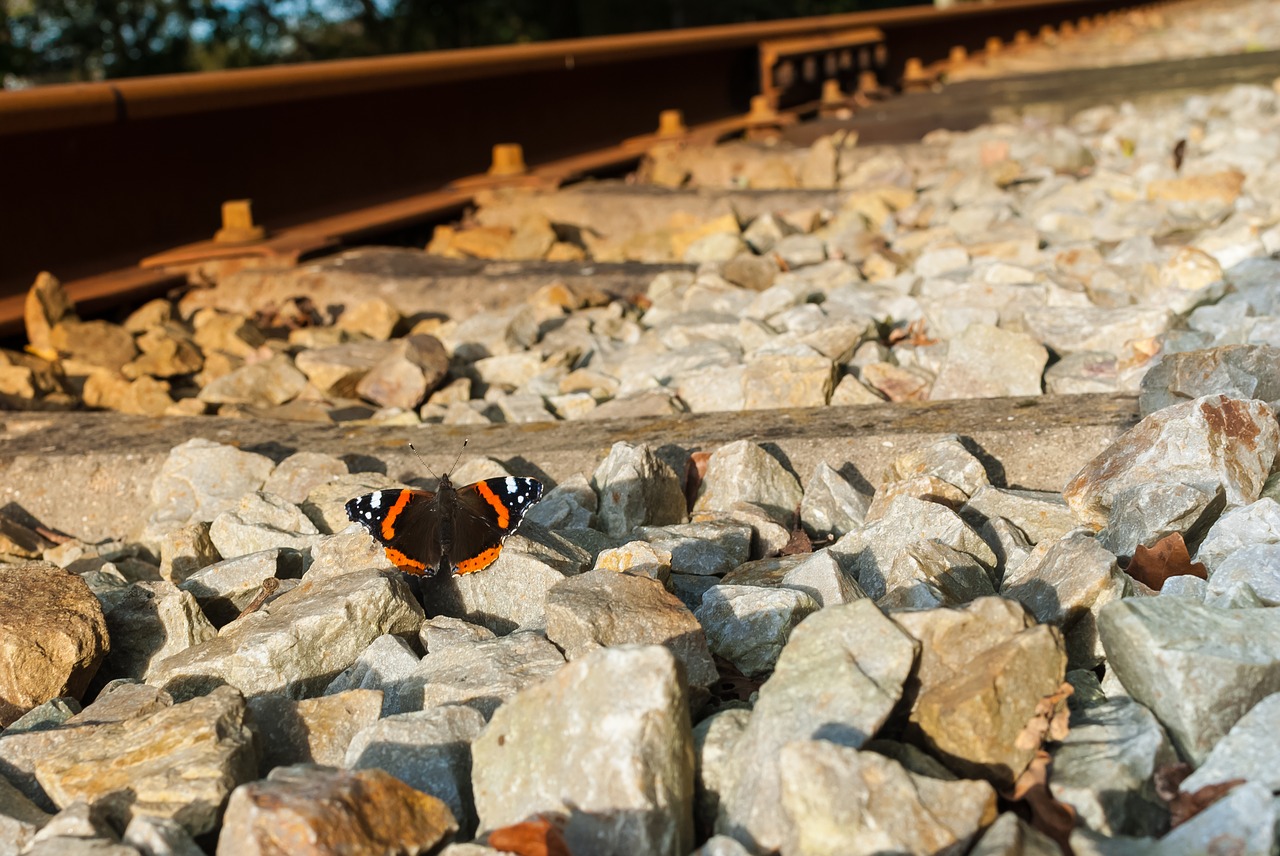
123	181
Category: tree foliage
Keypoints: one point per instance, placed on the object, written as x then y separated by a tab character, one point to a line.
74	40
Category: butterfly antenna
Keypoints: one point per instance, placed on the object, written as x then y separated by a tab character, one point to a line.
424	463
460	451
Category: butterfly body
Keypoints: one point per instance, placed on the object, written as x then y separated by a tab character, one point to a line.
447	530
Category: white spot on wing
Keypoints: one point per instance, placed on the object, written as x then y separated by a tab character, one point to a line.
375	499
511	485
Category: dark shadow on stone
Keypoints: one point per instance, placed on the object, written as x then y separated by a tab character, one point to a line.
360	463
995	469
851	474
277	452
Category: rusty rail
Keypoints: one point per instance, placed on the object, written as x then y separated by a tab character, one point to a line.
114	172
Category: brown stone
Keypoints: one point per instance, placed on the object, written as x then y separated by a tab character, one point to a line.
97	343
180	762
897	383
226	332
314	811
983	672
405	376
1223	187
166	351
53	636
47	304
375	318
313	730
927	487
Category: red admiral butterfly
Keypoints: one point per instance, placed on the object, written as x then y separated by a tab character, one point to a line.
452	529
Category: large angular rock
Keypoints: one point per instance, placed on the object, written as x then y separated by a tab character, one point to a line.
53	636
1249	575
225	588
638	797
986	362
484	674
510	594
749	625
1240	371
150	622
297	644
984	670
311	810
1144	514
387	665
831	505
180	762
261	521
1213	443
869	552
714	739
927	574
1251	526
1103	768
1198	668
838	679
201	479
744	472
20	819
310	730
945	458
636	488
1249	751
429	750
842	801
1066	582
261	384
601	609
816	574
1040	516
708	549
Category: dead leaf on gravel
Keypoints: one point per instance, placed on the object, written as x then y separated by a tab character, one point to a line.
733	685
695	470
1166	558
799	542
1055	819
532	838
1049	722
1184	806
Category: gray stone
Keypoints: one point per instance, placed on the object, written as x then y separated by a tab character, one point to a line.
152	621
1239	371
42	717
1143	514
983	675
714	739
768	537
1010	835
20	819
386	665
837	680
352	549
201	479
639	796
429	750
800	250
706	549
485	674
335	370
312	730
1066	582
300	642
869	552
831	505
1009	543
1185	585
1041	516
1103	768
985	362
1213	443
744	472
441	631
572	503
691	587
404	377
1198	668
838	800
1071	329
945	458
1255	524
180	762
1242	823
227	587
716	247
927	574
159	836
509	594
750	625
765	231
635	488
262	384
78	830
1082	373
1248	751
602	609
261	521
721	845
1250	574
817	574
302	472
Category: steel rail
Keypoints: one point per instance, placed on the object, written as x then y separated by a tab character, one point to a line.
98	176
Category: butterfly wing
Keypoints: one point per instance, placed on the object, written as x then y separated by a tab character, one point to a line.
489	511
405	523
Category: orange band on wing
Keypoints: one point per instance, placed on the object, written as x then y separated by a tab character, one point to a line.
492	498
389	522
403	562
479	563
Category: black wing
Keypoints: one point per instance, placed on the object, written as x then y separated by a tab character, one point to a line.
405	523
489	511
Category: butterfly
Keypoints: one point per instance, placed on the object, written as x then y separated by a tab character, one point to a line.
450	530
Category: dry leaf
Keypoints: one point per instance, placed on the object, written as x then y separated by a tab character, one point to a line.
799	542
1048	722
695	470
1055	819
1179	153
1166	558
1184	806
913	334
733	685
532	838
